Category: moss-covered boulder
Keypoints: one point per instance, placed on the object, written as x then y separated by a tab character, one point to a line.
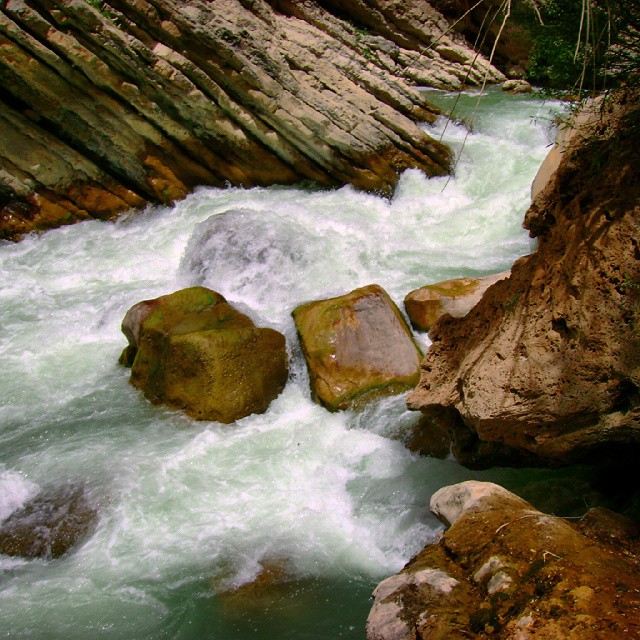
455	297
192	350
49	524
357	347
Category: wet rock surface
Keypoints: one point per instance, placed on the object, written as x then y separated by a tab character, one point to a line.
48	525
105	109
543	370
357	347
502	569
193	351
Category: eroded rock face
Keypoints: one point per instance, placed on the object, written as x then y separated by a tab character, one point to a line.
105	110
505	570
357	347
455	297
49	524
193	351
544	369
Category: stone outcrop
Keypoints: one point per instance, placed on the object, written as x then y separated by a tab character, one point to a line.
455	297
483	24
109	104
544	369
49	524
193	351
505	570
358	347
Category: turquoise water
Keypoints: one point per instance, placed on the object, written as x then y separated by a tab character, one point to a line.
191	511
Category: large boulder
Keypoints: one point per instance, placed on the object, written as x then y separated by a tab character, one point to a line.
192	350
358	347
544	369
49	524
455	297
505	570
108	105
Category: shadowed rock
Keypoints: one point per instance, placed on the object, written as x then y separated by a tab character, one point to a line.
49	524
544	369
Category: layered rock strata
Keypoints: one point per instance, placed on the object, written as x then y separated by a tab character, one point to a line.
544	369
358	347
107	105
503	569
193	351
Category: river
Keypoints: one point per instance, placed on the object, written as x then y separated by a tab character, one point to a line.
329	503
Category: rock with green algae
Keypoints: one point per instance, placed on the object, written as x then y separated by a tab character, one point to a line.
193	351
358	347
505	570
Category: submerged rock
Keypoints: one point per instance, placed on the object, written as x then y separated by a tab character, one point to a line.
49	524
193	351
357	348
109	105
544	369
505	570
455	297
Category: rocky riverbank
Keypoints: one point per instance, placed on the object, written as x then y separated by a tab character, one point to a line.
108	105
505	570
544	370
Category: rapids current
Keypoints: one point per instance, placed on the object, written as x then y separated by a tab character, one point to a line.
191	511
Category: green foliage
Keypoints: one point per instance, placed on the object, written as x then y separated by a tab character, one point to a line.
104	9
592	45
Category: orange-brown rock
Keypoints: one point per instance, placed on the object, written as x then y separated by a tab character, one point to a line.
544	369
357	348
503	570
109	105
455	297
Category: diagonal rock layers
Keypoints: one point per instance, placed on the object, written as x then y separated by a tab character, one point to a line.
109	105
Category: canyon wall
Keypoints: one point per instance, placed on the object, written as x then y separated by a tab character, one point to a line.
544	369
110	105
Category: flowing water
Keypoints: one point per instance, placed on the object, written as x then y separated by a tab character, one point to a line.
324	504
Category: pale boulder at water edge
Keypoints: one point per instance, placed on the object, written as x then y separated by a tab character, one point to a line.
455	297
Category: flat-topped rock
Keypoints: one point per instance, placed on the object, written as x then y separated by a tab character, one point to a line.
455	297
358	347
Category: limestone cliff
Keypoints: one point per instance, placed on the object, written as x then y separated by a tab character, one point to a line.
545	369
106	105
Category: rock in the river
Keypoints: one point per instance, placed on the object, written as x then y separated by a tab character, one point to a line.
109	105
544	369
504	570
516	86
49	524
193	351
358	347
455	297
